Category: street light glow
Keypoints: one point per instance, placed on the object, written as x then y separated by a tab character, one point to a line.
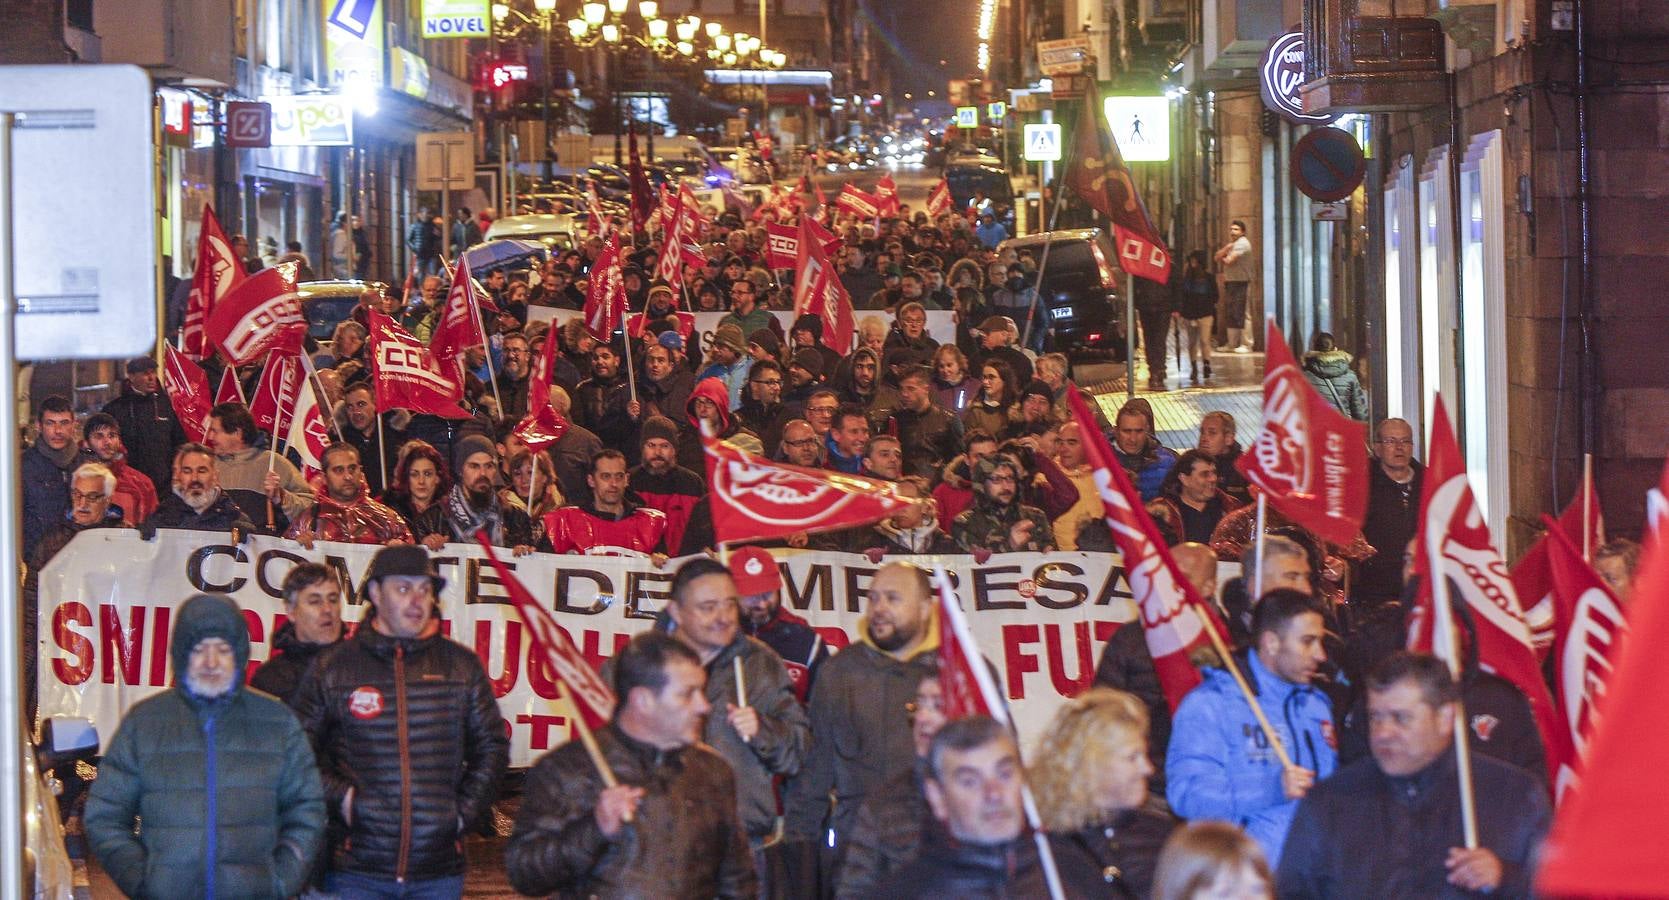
687	29
649	9
714	29
721	41
611	33
545	6
657	29
501	11
594	13
618	7
987	19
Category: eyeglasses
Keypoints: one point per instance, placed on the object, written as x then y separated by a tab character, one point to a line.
825	410
803	442
774	382
90	497
1395	442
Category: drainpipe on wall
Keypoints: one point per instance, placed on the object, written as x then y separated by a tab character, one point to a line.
1588	368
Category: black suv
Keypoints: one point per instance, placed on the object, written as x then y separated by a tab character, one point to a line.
1080	304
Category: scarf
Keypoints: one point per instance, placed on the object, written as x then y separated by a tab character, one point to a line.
64	459
464	519
916	539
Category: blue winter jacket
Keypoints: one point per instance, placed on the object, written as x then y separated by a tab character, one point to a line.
1220	765
1147	471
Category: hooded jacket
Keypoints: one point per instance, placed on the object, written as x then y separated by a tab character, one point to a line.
690	454
1147	470
685	841
674	494
863	737
225	787
927	439
1220	765
987	525
1329	372
410	726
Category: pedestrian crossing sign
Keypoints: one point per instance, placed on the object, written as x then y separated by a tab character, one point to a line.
996	110
1043	143
967	117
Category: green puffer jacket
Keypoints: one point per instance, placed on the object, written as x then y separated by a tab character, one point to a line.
253	805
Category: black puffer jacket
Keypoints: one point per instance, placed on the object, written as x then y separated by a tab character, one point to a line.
684	843
412	728
280	675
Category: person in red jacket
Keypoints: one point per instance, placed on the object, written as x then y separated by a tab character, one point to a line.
660	483
345	511
135	493
611	525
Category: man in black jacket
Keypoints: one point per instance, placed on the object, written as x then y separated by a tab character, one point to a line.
888	832
1390	826
1394	485
150	430
46	470
195	501
408	736
669	829
313	603
928	435
980	846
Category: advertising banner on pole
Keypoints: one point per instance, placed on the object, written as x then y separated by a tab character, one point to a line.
108	600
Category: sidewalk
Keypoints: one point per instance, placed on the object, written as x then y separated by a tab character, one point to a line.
1236	387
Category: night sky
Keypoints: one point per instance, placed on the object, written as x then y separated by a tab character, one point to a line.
919	34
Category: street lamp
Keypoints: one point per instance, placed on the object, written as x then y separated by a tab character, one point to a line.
594	13
649	9
545	6
611	33
714	29
618	7
657	29
687	29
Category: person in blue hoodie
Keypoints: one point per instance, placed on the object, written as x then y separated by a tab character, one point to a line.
1220	764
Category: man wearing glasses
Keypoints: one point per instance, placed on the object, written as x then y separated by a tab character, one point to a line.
745	312
1393	510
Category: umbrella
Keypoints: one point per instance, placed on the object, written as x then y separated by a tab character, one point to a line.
501	253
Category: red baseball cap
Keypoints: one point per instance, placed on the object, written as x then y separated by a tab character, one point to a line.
754	572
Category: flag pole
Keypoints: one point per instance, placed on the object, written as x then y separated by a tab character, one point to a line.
626	351
1246	691
1256	588
1587	507
590	742
1443	625
741	687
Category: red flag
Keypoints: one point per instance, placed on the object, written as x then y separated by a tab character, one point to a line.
276	394
763	142
598	225
1307	456
818	290
188	392
756	499
938	199
643	195
307	433
1589	627
586	689
782	246
861	204
669	268
230	390
605	295
459	327
1459	566
1610	837
1533	579
1099	175
886	192
822	201
965	680
406	374
1657	507
541	427
216	272
1174	617
260	316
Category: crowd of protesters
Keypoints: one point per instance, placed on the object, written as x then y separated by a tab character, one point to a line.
836	775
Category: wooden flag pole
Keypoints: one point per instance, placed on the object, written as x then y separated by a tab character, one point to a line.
1445	645
590	742
1251	698
741	686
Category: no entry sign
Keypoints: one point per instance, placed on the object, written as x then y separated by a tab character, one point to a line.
1327	164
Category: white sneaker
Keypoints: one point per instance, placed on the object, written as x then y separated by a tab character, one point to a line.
1242	349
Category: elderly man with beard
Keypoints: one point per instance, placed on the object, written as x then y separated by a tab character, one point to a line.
475	503
135	494
759	586
221	776
611	521
346	512
602	402
512	378
408	736
998	522
670	828
765	738
197	502
661	483
859	703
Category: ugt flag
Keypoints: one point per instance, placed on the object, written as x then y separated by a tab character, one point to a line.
756	499
188	392
605	295
1307	456
818	290
216	272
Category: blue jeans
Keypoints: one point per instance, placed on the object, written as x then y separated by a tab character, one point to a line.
353	886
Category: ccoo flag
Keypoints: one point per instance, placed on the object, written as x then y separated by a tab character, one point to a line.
1307	457
217	271
1098	174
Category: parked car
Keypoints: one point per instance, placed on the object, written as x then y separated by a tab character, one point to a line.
555	231
1079	304
327	303
979	175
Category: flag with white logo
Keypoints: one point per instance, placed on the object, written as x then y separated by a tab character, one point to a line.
756	499
605	295
407	375
188	392
216	272
261	315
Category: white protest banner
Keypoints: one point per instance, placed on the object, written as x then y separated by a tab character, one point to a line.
106	603
941	323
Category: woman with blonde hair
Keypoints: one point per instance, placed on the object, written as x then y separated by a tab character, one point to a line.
1211	861
1090	780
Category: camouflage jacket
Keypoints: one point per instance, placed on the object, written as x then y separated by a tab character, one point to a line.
986	525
